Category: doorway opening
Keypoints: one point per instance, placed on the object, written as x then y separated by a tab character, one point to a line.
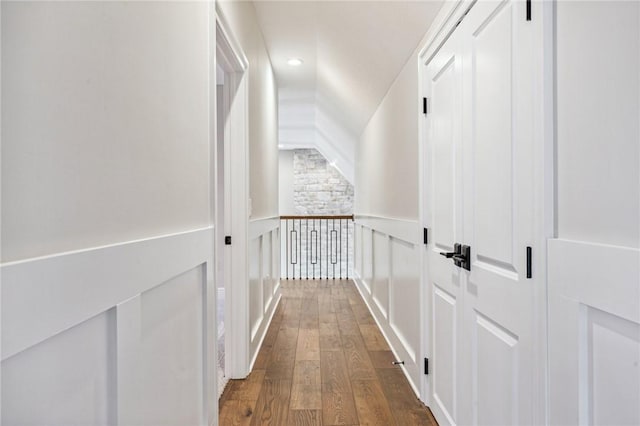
231	187
222	203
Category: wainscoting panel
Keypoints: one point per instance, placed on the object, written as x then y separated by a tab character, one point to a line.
160	353
264	287
52	381
256	312
267	281
380	284
109	335
405	296
357	247
387	275
367	258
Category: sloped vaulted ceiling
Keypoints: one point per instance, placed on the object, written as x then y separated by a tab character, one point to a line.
352	52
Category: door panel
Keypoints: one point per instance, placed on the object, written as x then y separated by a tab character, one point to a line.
443	384
493	165
443	129
444	85
495	359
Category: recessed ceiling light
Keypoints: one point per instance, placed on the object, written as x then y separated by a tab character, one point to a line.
295	62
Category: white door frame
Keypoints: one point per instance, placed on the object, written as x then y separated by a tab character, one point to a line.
235	198
543	17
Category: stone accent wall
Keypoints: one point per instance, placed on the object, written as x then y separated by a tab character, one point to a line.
318	187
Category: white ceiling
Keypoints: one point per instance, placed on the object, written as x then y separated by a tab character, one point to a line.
352	52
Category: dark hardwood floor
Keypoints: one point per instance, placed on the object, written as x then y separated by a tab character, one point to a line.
323	362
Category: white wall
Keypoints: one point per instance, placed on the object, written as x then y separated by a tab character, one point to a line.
287	206
598	124
387	152
105	123
105	173
263	109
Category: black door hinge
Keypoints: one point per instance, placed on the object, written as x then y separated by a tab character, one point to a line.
529	261
426	366
425	236
528	10
227	240
424	105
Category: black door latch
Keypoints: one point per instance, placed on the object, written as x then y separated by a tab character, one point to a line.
449	254
461	256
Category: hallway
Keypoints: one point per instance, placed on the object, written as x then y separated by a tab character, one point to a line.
184	184
323	362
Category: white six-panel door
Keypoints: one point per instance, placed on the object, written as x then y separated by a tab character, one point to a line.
479	130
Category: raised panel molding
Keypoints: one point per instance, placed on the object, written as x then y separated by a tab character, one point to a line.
387	275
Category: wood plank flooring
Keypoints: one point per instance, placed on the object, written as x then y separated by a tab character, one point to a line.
323	362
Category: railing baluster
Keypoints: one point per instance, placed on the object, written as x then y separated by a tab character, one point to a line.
347	248
320	239
333	232
300	246
306	250
340	267
306	223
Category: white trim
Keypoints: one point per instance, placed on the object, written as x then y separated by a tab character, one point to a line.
75	286
402	229
210	358
543	16
258	227
567	272
227	44
443	25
